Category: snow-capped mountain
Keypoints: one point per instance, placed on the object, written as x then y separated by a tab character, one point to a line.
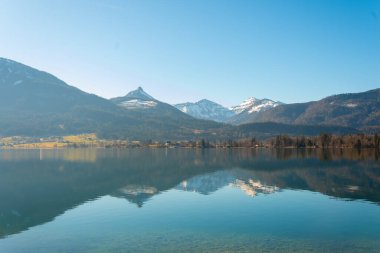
137	99
203	109
206	109
155	119
252	105
139	93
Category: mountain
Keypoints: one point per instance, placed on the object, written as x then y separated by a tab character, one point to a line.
250	108
137	99
252	105
33	102
357	110
36	103
163	119
206	109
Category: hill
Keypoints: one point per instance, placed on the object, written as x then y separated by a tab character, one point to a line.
356	110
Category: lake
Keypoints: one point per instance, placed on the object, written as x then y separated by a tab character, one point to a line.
186	200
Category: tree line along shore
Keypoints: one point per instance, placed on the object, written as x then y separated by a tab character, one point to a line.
324	140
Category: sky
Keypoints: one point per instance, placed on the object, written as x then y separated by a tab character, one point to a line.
187	50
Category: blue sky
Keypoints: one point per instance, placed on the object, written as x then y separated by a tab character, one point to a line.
186	50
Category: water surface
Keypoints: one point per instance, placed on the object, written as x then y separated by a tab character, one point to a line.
173	200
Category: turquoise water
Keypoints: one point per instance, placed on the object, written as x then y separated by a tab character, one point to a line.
183	200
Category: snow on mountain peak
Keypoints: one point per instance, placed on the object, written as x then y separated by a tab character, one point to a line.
136	99
139	93
138	104
252	105
206	109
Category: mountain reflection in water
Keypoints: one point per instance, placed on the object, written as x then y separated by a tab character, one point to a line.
38	185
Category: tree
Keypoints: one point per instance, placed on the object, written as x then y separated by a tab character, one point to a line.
325	139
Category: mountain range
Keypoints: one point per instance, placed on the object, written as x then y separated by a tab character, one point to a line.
36	103
359	110
356	110
206	109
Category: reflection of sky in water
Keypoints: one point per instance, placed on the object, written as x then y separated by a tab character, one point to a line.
170	201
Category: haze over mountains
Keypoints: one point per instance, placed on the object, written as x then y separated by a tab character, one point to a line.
35	103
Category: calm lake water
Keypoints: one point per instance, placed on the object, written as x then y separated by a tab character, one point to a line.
157	200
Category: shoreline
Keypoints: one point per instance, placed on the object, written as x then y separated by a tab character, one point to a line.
197	148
